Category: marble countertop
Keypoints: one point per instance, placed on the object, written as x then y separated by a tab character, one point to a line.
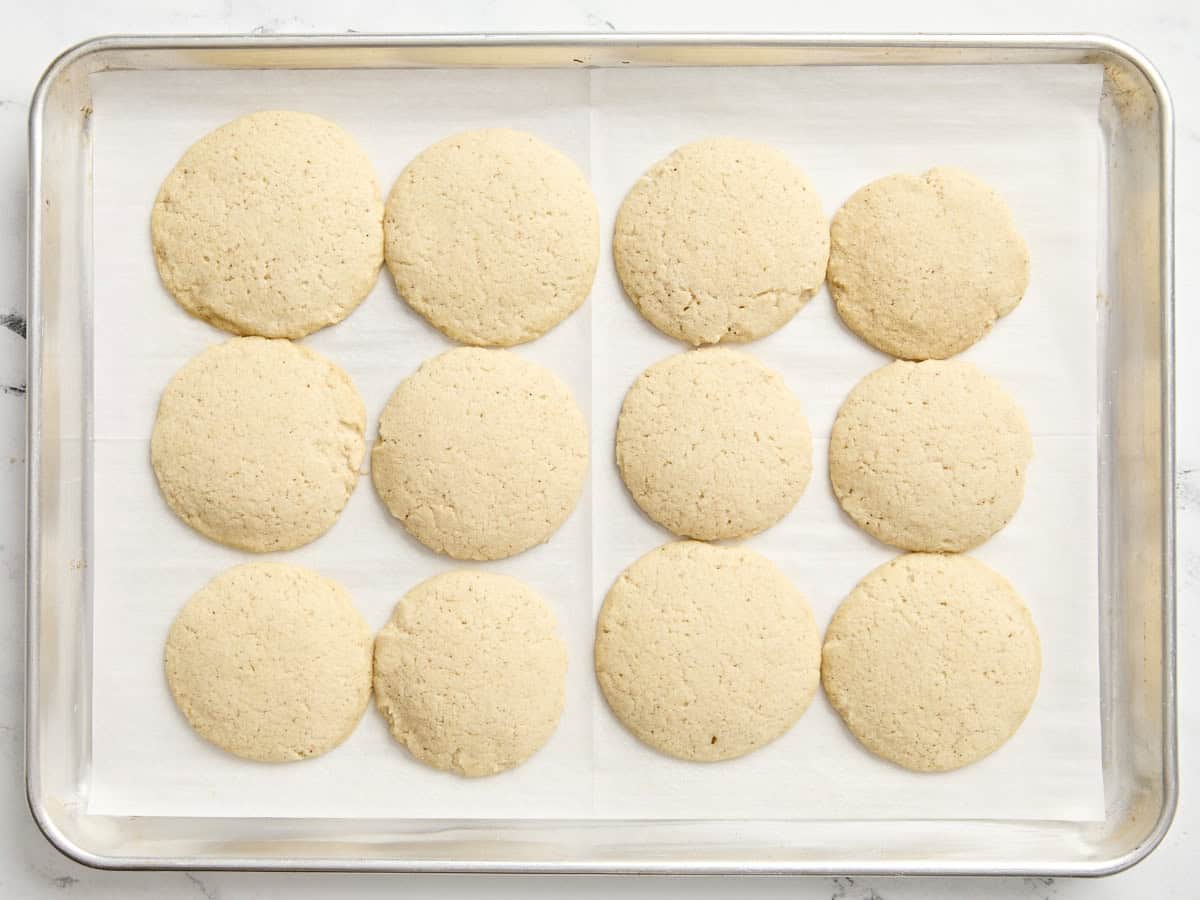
1167	32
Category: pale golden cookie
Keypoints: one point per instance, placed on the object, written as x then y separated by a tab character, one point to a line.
270	225
481	453
712	444
706	652
929	455
492	236
470	672
921	266
932	661
257	443
271	662
723	240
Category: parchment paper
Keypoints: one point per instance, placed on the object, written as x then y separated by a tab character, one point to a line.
1030	131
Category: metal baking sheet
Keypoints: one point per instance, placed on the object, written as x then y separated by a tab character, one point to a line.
1029	131
755	855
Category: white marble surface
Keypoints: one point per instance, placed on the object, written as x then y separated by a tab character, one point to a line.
1167	32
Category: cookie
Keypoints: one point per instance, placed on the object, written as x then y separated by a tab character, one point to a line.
481	454
271	662
723	240
922	266
712	444
932	661
257	443
470	672
706	652
929	455
271	225
492	236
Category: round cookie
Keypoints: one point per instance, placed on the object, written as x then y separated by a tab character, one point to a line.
481	453
270	225
271	662
921	266
929	455
706	652
723	240
932	661
712	444
257	443
470	672
492	236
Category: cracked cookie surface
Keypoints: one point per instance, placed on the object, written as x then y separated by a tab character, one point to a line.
470	672
257	443
932	661
722	240
270	662
706	653
922	266
492	236
711	444
481	453
270	225
930	455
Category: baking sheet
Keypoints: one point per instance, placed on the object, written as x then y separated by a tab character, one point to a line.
1030	131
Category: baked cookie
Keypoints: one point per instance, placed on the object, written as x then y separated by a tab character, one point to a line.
921	266
470	672
706	652
270	225
723	240
929	455
712	444
481	453
492	236
271	662
257	443
932	661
